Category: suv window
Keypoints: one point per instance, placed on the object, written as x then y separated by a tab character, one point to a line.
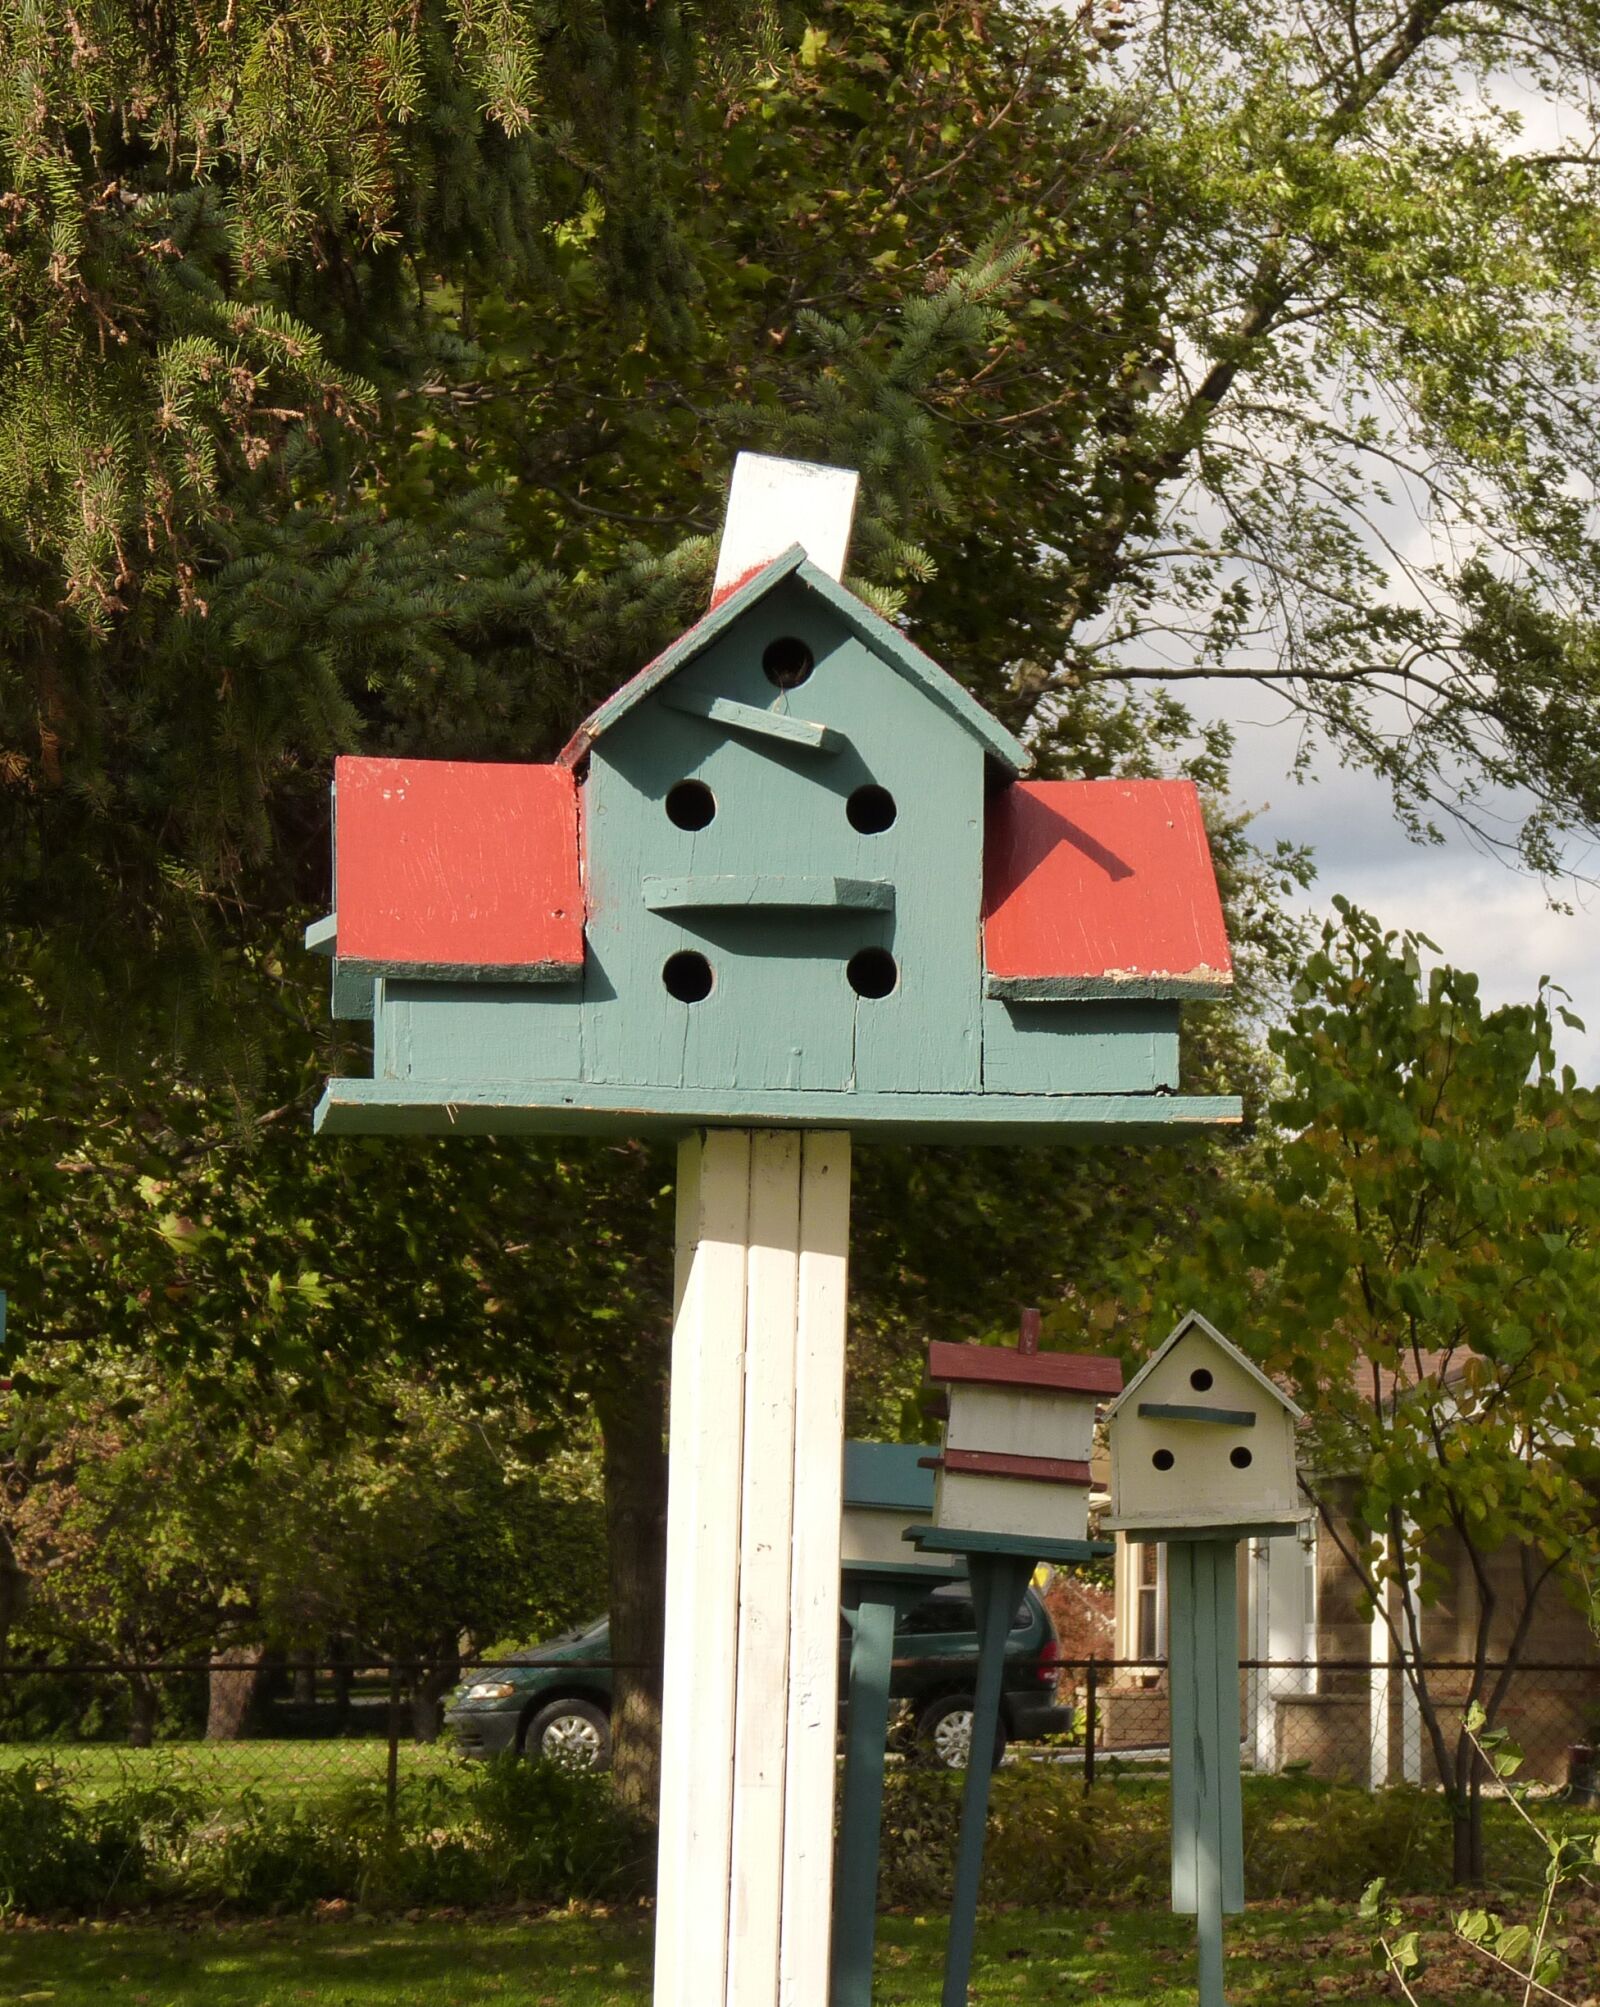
949	1609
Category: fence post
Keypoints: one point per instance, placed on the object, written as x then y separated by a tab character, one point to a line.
1091	1720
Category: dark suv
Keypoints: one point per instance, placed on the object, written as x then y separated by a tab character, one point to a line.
560	1708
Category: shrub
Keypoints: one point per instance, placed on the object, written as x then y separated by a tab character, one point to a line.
508	1831
57	1853
1051	1845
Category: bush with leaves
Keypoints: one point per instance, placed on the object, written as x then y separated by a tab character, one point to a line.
1529	1953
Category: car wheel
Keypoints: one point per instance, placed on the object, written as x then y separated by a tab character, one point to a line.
572	1733
944	1733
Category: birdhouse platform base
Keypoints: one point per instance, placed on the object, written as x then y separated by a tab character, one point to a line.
355	1107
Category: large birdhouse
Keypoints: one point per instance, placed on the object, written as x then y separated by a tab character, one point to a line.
1202	1438
790	873
1018	1435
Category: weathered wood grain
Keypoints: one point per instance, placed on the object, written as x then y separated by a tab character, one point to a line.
766	1532
701	1631
354	1107
813	1697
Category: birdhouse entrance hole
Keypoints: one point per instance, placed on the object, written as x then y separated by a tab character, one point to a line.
1200	1379
691	805
688	977
787	661
872	972
871	809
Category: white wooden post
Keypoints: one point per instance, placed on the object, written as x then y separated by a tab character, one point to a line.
749	1701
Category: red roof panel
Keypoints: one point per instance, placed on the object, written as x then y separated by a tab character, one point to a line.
1001	1366
454	868
1101	888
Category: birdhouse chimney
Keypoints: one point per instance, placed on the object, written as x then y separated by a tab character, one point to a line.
774	505
1028	1334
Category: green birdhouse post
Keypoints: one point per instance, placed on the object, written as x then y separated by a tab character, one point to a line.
788	885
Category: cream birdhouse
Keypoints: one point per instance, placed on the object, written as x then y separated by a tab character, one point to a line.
1015	1457
1200	1437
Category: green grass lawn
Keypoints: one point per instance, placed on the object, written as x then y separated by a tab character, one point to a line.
302	1770
1279	1957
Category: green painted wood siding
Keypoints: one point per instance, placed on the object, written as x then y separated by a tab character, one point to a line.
1079	1048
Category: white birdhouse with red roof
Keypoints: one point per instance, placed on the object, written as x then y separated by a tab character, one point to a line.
1202	1439
1018	1436
791	873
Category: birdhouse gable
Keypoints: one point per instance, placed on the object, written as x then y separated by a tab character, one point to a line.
1200	1437
1193	1324
878	635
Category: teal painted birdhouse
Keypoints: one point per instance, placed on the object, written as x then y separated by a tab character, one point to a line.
1019	1429
1201	1439
790	873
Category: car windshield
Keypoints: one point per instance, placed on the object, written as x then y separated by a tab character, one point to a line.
949	1609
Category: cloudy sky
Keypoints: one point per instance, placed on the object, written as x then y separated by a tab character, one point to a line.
1484	914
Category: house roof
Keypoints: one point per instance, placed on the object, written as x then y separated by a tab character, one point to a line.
1101	888
1001	1366
885	641
445	868
1193	1321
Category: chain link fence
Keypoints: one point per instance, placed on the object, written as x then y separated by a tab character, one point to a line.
1348	1720
306	1730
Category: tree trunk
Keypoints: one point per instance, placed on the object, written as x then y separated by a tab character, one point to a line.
305	1679
428	1689
632	1422
13	1593
142	1719
235	1676
1466	1822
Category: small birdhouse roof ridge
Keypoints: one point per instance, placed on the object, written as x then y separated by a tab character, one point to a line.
1002	1366
1192	1320
885	640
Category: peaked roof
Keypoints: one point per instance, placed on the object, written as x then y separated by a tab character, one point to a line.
885	641
1193	1321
